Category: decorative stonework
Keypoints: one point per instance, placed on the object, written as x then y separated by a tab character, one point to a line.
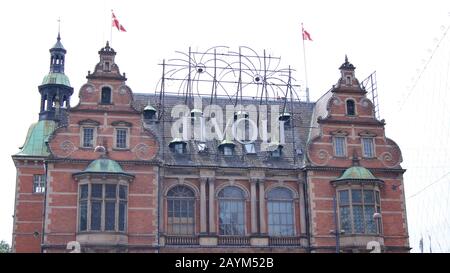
67	148
142	151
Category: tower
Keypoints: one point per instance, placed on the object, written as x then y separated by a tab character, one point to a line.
55	88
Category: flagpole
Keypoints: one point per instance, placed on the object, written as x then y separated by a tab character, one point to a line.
111	26
304	61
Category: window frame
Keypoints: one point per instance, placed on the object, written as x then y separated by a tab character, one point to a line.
228	148
127	138
271	200
89	199
94	136
230	201
106	88
39	182
190	202
344	146
252	151
363	146
347	107
363	204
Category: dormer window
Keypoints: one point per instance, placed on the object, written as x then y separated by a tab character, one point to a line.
178	146
275	149
227	147
350	108
250	148
149	112
106	95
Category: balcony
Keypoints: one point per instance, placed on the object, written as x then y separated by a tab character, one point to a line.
181	240
234	240
285	241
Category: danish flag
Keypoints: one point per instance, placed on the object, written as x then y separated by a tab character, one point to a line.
115	23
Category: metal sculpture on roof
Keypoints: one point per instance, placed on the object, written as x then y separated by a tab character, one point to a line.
220	71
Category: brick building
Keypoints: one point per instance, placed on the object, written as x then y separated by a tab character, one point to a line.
108	174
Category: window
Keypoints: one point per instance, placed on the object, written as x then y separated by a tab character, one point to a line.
231	211
276	152
280	207
39	183
88	137
250	148
179	148
202	147
368	150
339	146
228	150
356	211
121	138
102	207
350	107
106	95
180	211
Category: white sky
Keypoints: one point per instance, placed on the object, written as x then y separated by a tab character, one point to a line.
392	37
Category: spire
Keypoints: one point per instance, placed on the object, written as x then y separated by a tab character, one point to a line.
347	65
57	56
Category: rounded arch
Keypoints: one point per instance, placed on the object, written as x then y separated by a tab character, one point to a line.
180	191
186	184
293	191
229	184
350	107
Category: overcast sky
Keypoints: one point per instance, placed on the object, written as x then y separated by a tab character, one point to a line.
395	38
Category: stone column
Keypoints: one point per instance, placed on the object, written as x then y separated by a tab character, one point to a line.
253	209
262	207
203	205
212	218
302	210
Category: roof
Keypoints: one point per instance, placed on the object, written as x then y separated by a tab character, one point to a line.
56	78
194	156
104	166
356	173
37	136
58	44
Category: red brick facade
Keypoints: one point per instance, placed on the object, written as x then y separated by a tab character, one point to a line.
49	228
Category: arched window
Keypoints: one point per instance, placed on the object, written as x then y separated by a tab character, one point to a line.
106	95
280	207
231	211
180	211
351	107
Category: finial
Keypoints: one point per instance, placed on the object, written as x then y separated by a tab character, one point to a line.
59	28
346	58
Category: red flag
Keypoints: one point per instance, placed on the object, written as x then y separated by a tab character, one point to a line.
306	35
115	23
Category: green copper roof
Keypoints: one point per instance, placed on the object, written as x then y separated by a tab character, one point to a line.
37	136
56	78
104	165
357	172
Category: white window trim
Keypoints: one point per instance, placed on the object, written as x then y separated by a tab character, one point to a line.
373	147
344	148
127	141
94	140
103	216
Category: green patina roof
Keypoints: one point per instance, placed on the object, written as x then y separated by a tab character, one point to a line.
38	134
357	172
104	165
56	78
